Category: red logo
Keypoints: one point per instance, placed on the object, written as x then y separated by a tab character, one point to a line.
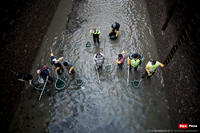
182	126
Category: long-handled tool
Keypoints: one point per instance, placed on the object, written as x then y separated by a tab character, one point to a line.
139	82
43	88
98	74
128	75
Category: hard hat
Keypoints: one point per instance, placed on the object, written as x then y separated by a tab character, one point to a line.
98	55
153	62
135	55
65	64
114	25
54	60
120	55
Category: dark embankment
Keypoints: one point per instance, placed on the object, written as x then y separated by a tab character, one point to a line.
179	20
24	24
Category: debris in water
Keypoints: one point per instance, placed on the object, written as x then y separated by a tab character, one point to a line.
88	44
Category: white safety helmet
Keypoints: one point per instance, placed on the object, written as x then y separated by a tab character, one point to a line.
54	60
98	55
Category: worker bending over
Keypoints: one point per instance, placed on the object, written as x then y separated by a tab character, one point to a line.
121	59
68	66
151	68
58	66
43	74
114	30
24	76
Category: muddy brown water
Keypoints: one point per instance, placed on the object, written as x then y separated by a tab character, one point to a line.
108	106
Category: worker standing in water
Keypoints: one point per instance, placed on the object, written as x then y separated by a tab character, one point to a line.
58	66
98	60
114	30
43	74
121	59
96	35
24	76
151	68
134	60
68	66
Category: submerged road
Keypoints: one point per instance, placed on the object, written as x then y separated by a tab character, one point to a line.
110	106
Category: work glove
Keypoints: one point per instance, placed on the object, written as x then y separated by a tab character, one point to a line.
128	61
118	62
149	74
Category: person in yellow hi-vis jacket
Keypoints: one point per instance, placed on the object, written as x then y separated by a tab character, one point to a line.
151	68
134	60
114	31
96	35
58	66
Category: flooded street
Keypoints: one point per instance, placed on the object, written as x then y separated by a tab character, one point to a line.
109	106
